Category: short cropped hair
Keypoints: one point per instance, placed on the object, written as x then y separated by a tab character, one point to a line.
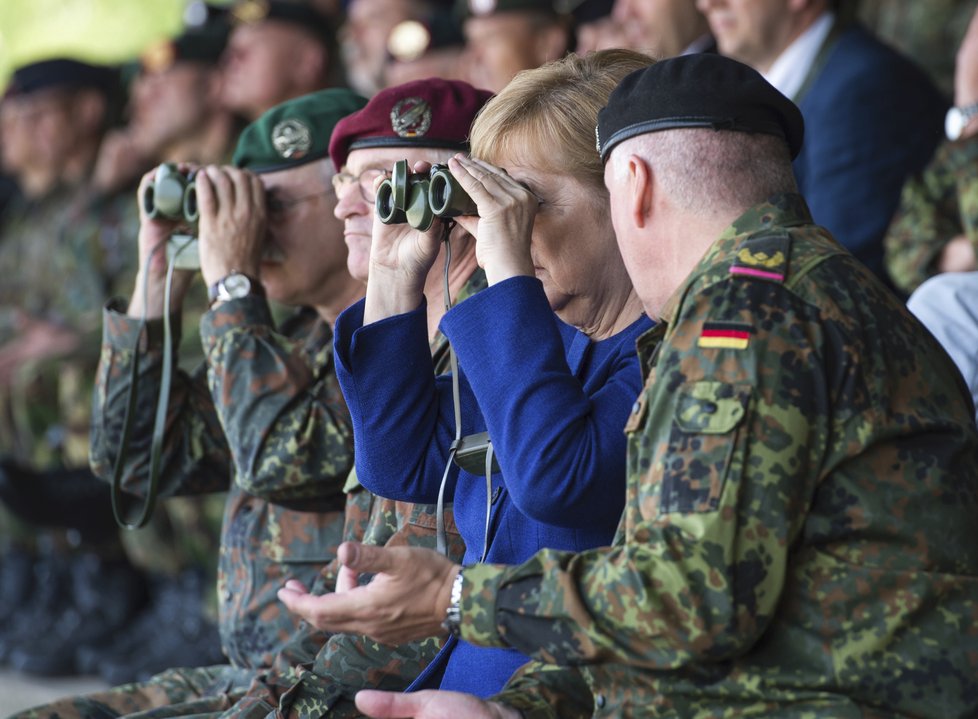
546	116
704	170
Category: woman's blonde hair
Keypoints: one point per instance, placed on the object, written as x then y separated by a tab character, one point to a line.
546	116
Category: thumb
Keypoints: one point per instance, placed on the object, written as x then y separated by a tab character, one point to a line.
388	705
366	558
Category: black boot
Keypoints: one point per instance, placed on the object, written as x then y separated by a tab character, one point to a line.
106	596
193	640
16	582
49	598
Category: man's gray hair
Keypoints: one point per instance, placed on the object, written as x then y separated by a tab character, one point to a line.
714	171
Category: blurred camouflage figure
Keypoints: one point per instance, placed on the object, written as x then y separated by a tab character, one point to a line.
62	254
799	534
262	418
928	32
935	228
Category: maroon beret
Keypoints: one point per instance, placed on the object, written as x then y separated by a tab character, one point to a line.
423	113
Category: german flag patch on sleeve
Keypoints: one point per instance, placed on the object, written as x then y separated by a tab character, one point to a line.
725	335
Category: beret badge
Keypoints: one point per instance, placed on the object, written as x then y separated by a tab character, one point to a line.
291	139
411	117
250	11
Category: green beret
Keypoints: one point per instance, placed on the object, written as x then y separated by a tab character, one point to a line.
295	132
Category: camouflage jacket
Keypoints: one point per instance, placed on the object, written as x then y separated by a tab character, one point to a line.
936	206
799	536
325	684
60	258
264	419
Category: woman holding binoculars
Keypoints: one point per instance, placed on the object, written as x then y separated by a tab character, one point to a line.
546	353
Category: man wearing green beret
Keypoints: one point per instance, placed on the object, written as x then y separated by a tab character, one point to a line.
263	418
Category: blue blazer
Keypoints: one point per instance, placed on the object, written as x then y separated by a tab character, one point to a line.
872	118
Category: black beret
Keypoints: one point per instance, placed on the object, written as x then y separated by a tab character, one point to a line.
203	43
63	72
700	90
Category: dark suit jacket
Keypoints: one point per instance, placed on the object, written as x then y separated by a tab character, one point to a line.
871	118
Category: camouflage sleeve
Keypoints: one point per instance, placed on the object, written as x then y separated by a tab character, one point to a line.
280	405
545	691
724	456
935	206
195	454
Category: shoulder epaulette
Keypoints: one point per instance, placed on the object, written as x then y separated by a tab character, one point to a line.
763	256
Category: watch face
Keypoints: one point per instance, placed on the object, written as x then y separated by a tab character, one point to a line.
237	285
954	123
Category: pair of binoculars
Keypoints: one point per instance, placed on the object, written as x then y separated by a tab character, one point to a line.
173	196
418	198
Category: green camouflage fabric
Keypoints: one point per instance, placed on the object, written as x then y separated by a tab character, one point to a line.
327	683
799	535
929	32
174	693
60	257
263	419
936	206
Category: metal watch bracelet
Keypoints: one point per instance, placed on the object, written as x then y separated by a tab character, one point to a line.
453	615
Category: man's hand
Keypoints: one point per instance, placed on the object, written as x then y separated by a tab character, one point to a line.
507	212
232	222
430	705
151	278
405	601
958	255
966	73
400	259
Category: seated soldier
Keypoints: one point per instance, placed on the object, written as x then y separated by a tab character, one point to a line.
799	534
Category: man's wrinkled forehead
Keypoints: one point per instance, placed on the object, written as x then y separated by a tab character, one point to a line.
383	158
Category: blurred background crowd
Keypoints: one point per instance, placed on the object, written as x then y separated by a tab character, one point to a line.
100	91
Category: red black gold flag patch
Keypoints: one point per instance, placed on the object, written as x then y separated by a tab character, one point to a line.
727	335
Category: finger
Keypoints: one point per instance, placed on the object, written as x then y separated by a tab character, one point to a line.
296	586
366	557
389	705
421	167
346	579
257	193
242	189
337	612
223	187
206	195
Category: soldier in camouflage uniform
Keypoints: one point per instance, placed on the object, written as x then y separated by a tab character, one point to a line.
935	228
799	535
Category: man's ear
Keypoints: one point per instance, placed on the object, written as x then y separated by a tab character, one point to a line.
639	184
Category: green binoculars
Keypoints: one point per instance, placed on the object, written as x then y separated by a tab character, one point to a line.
171	196
418	198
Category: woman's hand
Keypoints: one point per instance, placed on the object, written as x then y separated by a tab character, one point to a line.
507	210
430	705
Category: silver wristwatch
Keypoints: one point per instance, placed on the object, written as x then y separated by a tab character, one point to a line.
957	119
233	286
453	615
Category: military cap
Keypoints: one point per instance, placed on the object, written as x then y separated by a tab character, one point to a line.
702	90
480	8
295	12
423	113
585	11
411	39
62	72
203	42
295	132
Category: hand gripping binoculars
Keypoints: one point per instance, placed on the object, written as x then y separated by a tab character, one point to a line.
173	196
418	198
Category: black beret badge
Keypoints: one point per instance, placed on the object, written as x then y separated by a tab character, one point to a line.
411	117
291	139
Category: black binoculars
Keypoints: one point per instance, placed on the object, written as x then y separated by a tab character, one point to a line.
418	198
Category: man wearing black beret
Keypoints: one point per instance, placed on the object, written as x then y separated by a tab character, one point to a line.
798	537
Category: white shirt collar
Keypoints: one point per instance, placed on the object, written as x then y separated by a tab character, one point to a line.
789	71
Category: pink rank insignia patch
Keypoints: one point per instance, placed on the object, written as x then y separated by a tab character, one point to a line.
725	335
763	257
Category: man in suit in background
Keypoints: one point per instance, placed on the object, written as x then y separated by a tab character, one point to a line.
871	116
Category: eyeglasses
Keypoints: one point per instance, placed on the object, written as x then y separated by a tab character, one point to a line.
277	205
342	181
